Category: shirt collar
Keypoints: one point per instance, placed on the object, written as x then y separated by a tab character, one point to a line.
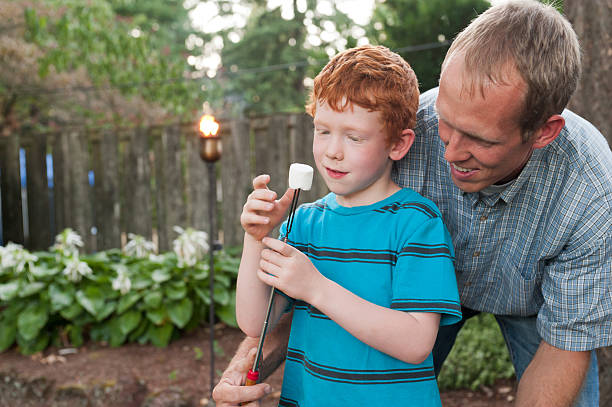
507	192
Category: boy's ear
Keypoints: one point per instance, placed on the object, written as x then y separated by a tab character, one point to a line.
401	146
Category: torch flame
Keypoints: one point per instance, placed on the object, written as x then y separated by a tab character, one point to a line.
208	126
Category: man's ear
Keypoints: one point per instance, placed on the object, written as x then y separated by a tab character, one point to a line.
549	131
401	146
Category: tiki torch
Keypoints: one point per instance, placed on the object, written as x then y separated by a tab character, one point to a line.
210	152
300	178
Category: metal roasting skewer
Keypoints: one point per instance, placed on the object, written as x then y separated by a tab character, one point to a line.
253	374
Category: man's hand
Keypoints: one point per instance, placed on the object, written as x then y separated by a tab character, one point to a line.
230	391
553	378
262	212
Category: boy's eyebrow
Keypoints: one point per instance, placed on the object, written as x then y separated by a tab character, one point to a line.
466	133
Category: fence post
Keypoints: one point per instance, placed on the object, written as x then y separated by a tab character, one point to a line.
10	190
80	213
169	183
136	179
39	220
235	177
107	203
197	184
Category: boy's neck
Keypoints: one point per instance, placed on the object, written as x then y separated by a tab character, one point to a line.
349	202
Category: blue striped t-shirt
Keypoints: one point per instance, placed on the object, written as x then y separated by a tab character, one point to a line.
396	253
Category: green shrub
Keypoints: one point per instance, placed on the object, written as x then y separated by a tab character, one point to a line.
60	297
478	358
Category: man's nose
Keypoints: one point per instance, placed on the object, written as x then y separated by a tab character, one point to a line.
455	147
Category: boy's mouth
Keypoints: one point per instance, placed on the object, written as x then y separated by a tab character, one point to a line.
335	174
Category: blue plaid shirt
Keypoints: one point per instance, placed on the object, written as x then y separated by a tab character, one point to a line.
543	244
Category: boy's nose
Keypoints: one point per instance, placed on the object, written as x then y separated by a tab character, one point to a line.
334	149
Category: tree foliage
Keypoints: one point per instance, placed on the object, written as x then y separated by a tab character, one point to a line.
84	63
400	24
264	71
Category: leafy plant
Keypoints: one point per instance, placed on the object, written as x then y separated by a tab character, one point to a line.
60	297
479	356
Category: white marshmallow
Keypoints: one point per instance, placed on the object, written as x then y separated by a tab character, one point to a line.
300	176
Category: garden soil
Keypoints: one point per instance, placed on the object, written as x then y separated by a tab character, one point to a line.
136	375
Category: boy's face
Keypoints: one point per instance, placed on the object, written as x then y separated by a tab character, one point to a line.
352	154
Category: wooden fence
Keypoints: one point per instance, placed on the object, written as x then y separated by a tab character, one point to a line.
146	180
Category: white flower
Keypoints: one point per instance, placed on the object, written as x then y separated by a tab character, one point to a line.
156	258
190	246
122	282
14	255
68	243
139	247
76	269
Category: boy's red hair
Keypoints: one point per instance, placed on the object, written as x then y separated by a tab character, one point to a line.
374	78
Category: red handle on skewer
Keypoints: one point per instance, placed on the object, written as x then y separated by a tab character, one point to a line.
251	378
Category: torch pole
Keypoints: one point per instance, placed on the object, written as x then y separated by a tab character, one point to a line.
212	193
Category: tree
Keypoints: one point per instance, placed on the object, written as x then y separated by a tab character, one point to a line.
73	62
403	24
264	64
592	21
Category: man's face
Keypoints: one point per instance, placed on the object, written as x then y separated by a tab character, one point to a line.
480	132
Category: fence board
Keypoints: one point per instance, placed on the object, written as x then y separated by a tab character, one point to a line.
10	184
235	178
80	216
137	185
272	150
197	183
61	195
302	142
39	235
169	184
105	161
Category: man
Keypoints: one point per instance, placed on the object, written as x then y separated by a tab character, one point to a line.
525	188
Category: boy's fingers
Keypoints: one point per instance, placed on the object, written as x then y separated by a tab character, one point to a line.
258	205
278	246
285	200
261	181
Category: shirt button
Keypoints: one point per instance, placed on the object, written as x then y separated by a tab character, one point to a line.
483	217
467	284
476	254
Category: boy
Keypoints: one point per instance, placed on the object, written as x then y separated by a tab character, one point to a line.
368	268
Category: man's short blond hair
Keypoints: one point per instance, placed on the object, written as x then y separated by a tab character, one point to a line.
527	37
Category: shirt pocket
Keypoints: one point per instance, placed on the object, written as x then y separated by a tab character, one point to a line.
520	287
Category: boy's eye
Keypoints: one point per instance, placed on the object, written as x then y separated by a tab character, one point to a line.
353	137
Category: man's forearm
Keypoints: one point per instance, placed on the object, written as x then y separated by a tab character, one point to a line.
553	378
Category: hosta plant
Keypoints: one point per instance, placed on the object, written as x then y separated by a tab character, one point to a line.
61	297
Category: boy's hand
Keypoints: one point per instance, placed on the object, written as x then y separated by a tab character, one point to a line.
262	212
289	270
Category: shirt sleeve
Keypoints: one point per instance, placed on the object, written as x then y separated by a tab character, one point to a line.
576	313
424	276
